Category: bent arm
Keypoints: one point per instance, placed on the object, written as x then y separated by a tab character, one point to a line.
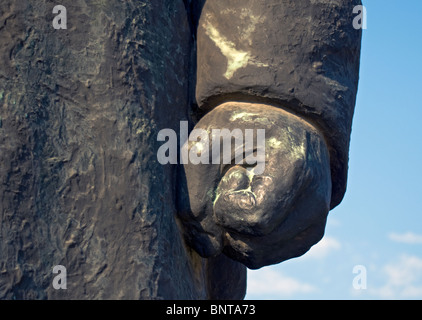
294	65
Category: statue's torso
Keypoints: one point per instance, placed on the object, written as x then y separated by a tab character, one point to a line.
80	182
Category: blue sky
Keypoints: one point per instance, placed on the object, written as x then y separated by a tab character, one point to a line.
379	223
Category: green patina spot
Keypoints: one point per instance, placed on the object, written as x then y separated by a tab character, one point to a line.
246	116
274	143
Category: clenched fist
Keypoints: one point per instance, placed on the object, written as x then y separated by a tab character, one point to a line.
260	212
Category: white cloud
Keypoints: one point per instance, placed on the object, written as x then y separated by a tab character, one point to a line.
268	281
403	279
323	248
408	237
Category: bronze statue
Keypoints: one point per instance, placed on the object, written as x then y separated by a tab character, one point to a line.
81	110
